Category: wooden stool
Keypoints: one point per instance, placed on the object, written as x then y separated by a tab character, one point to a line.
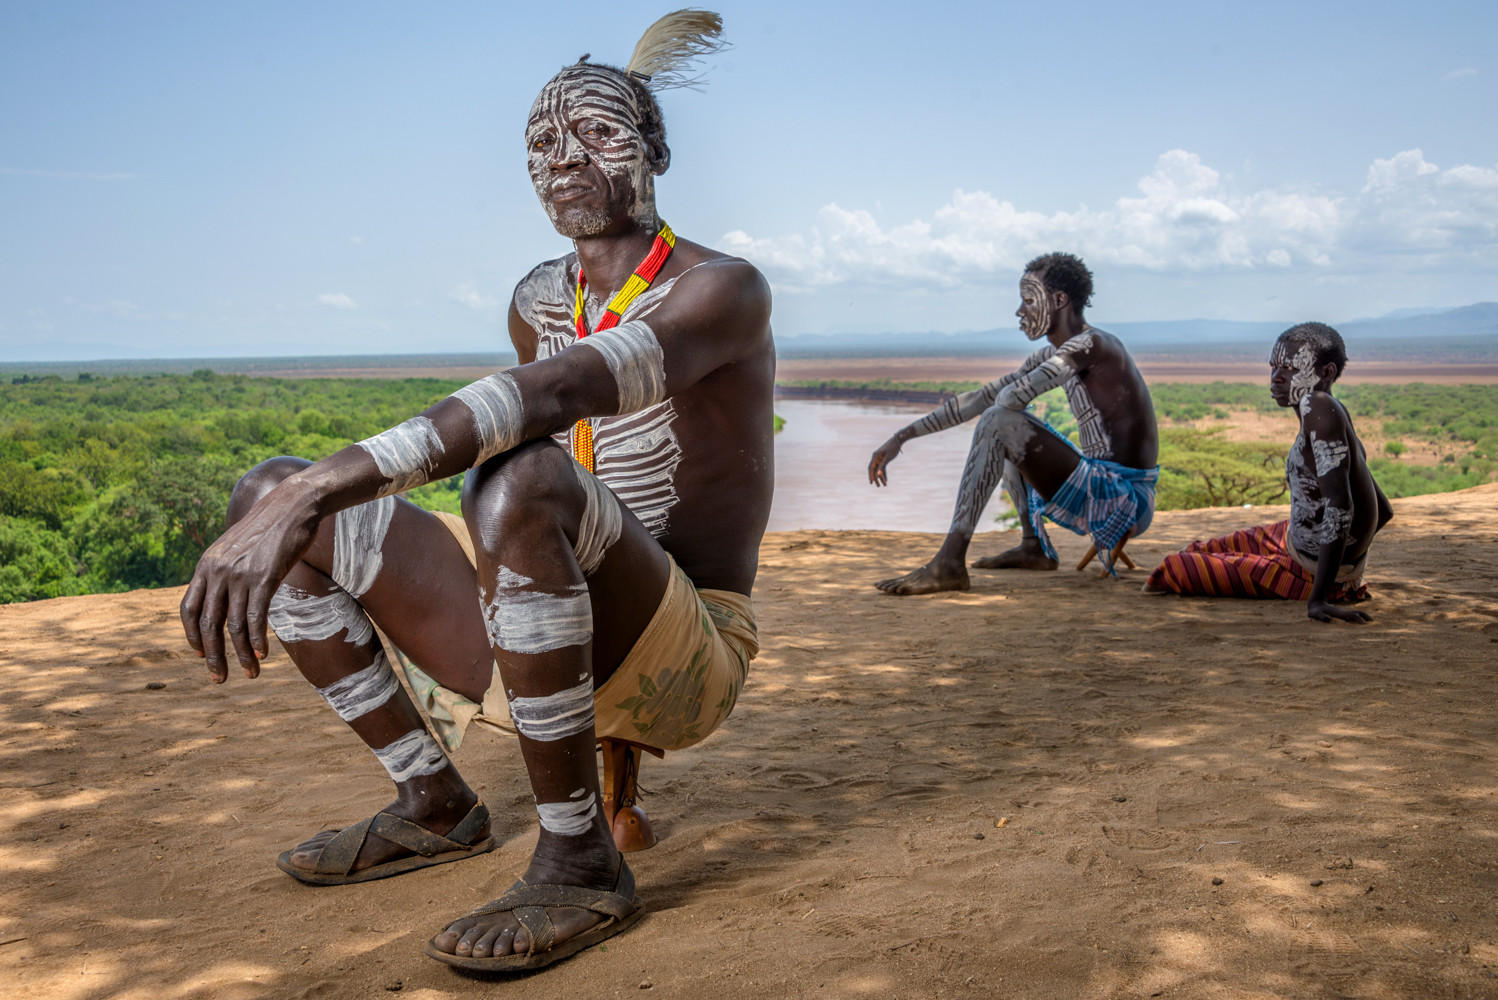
621	776
1119	556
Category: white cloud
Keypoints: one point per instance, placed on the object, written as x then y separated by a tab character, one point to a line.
337	300
1461	74
473	298
1185	217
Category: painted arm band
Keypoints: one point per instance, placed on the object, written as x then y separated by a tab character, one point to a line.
636	361
1050	373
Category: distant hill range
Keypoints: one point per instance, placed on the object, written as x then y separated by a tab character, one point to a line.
1465	334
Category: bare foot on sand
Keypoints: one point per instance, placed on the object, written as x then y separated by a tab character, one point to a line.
1026	555
929	579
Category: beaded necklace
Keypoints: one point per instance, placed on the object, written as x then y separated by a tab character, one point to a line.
660	250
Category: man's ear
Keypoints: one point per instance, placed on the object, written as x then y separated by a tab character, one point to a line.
1328	372
1060	301
660	154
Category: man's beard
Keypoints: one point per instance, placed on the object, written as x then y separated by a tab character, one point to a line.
581	223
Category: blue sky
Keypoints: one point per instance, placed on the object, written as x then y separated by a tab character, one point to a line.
284	178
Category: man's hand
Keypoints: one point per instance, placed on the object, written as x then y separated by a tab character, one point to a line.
238	574
1324	612
883	455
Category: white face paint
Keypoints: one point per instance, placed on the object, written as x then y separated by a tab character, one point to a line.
636	361
601	524
412	756
405	454
297	616
569	819
1034	307
1301	365
524	621
498	413
587	158
358	536
362	692
555	716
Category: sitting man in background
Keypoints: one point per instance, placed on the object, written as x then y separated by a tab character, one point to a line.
593	591
1336	508
1106	491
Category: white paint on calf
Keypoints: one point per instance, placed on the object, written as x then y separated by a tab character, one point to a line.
414	755
363	691
297	616
555	716
569	819
525	621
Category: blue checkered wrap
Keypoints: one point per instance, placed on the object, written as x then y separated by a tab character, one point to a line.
1102	499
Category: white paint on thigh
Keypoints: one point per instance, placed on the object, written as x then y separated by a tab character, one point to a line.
412	756
405	454
363	691
602	522
297	616
358	536
569	819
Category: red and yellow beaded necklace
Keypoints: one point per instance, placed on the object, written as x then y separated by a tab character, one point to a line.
660	250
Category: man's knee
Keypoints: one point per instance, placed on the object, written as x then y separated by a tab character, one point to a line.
533	484
1005	429
261	480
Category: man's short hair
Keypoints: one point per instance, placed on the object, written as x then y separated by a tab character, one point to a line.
1065	272
1324	341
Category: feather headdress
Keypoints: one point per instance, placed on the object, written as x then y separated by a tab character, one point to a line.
666	55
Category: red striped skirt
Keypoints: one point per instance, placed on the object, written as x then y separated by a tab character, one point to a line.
1255	562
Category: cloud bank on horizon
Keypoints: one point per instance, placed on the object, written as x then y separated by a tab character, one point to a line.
1185	217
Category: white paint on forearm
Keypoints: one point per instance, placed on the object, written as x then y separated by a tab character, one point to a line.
569	819
414	755
358	536
635	359
406	454
297	616
498	413
525	621
555	716
363	691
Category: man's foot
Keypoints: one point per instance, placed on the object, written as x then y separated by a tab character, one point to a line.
929	579
1028	554
597	883
390	843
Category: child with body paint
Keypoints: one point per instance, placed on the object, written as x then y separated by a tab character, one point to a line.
1336	508
1105	490
618	482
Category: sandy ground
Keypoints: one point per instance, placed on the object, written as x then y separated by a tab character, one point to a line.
1029	790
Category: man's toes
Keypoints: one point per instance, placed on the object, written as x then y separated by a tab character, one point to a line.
485	943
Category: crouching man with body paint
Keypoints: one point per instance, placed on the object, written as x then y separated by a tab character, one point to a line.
578	598
1107	491
1336	508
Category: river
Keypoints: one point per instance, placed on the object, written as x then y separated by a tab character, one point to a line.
822	461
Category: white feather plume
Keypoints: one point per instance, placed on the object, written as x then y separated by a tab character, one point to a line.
667	53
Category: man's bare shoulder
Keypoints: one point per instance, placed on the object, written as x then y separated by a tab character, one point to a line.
545	294
725	292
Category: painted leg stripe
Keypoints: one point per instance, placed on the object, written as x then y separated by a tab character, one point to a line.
569	819
498	413
358	536
555	716
636	361
413	755
405	454
523	621
297	616
601	523
360	693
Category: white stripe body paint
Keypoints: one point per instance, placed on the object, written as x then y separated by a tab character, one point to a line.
525	621
358	536
297	616
568	819
1328	455
406	454
555	716
412	756
498	413
636	361
601	523
363	691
